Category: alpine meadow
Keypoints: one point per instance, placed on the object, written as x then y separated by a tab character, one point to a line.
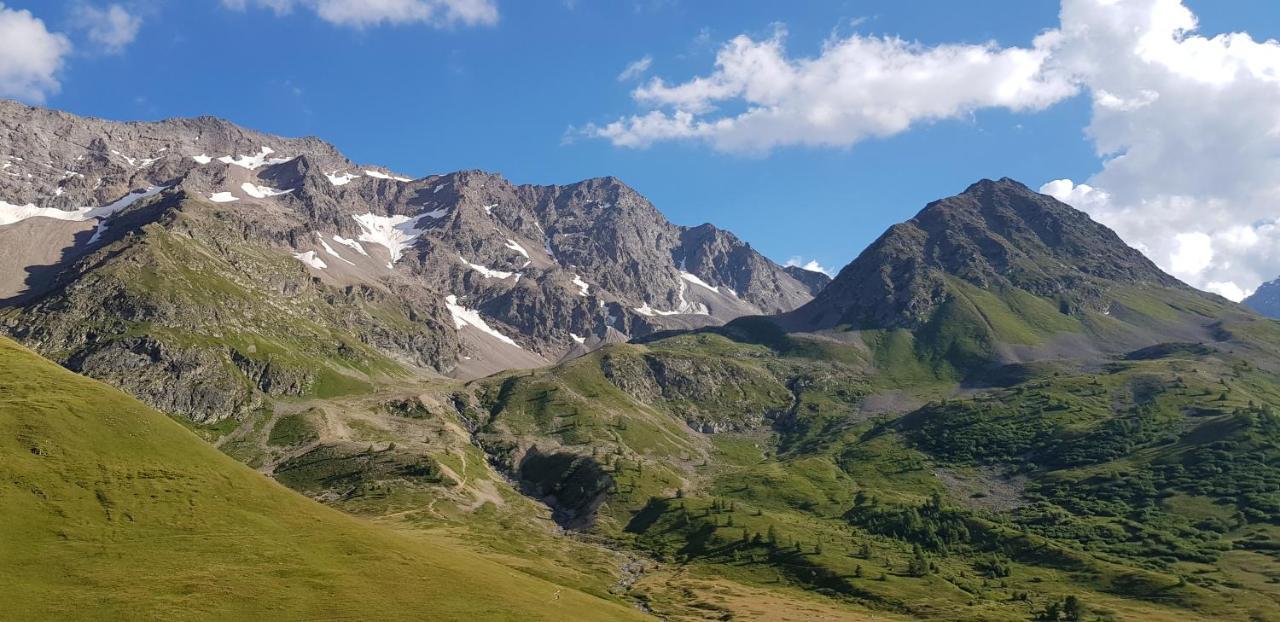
255	364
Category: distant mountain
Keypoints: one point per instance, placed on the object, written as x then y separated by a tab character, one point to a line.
1266	300
812	279
996	234
1000	274
249	265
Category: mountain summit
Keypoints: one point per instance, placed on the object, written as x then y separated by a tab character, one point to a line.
995	235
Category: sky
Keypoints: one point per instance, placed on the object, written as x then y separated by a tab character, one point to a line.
806	128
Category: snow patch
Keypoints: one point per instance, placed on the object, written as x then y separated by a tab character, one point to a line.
693	278
577	338
108	210
463	316
395	233
202	159
488	209
352	243
329	249
381	175
123	202
10	214
515	246
311	259
222	197
486	272
126	158
583	286
340	179
683	307
262	192
255	161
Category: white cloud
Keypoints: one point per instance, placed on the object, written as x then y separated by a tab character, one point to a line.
857	88
365	13
1188	127
112	28
812	265
1192	254
1228	290
31	56
636	69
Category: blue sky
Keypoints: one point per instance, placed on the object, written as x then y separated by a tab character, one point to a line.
514	96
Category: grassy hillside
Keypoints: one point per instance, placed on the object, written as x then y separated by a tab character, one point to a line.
110	510
741	470
1141	484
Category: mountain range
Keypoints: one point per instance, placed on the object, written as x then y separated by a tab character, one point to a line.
212	254
549	401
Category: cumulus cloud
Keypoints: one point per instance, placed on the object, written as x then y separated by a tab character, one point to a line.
112	28
31	56
857	87
365	13
1186	125
1188	128
636	69
812	265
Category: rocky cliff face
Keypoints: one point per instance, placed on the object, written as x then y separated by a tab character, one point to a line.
179	245
1266	300
812	279
994	235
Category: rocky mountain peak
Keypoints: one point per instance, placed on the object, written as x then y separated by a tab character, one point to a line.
516	275
995	234
812	279
1266	299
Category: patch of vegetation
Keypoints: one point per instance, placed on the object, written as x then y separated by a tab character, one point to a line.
293	430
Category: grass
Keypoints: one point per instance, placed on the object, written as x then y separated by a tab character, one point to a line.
293	430
114	511
1116	484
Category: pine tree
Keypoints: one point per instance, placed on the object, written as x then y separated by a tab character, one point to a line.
1072	609
919	565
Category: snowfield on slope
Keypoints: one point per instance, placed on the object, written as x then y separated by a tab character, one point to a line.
463	316
395	233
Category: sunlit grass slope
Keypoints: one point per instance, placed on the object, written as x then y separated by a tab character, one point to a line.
109	510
